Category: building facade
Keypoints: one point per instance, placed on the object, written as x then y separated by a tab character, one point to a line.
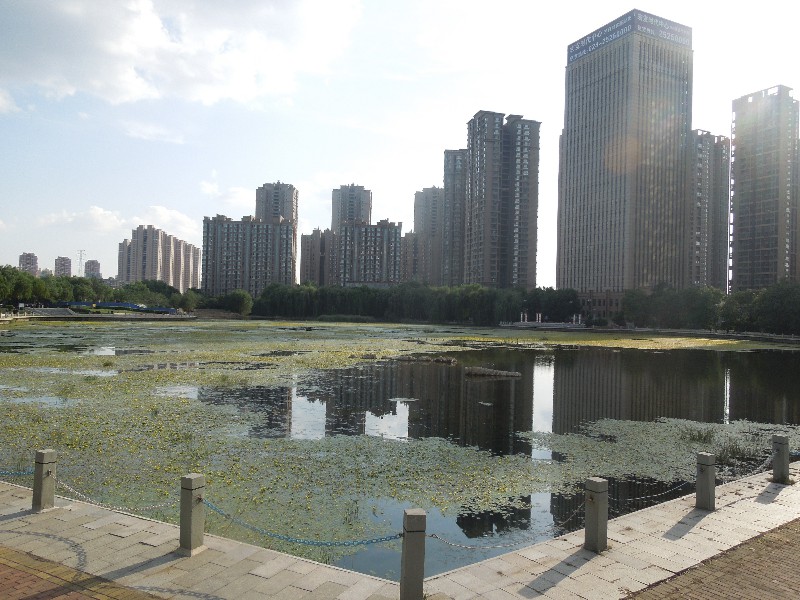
63	267
429	221
367	254
29	263
764	174
316	257
409	257
350	204
91	269
246	255
277	203
708	180
622	205
455	202
153	255
502	201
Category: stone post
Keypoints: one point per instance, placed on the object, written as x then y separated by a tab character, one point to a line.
193	516
706	481
780	458
412	561
596	521
44	480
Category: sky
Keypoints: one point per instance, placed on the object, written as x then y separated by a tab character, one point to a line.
115	114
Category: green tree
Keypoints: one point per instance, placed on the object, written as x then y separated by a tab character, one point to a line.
189	301
239	301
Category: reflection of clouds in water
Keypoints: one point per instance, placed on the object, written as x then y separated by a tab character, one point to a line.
392	426
308	418
543	397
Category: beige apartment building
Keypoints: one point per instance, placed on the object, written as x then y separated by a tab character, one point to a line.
63	267
153	255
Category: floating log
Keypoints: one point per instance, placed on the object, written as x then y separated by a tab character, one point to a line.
484	372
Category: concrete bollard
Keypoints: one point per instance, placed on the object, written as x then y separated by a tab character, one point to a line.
193	515
596	521
412	561
705	486
780	458
44	480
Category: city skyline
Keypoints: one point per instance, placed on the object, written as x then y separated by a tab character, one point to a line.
151	113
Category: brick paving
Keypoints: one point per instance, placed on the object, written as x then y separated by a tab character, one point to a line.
744	549
767	566
25	577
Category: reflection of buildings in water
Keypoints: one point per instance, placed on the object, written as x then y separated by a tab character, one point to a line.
481	412
636	385
763	386
272	405
624	496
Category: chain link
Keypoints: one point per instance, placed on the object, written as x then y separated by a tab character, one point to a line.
16	473
85	498
306	542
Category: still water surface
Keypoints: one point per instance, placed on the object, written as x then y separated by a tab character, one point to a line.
557	391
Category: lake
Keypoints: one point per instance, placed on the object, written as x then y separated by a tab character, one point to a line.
326	432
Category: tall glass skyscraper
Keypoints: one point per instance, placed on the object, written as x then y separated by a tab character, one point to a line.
622	214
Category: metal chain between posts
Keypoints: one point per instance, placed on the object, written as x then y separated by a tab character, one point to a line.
435	536
16	473
759	469
306	542
650	497
85	498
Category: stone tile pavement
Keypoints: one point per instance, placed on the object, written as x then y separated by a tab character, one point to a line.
645	547
650	546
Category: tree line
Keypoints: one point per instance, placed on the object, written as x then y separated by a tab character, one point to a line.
20	287
775	309
413	301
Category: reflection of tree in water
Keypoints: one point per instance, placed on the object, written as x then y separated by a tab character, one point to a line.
480	524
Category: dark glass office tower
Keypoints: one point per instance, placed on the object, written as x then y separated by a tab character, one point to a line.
622	206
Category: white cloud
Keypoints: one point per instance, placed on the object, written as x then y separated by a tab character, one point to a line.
3	226
151	132
147	49
171	221
241	200
7	103
92	220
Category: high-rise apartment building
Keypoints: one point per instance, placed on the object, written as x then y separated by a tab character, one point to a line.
455	201
63	267
276	201
622	177
708	194
367	254
91	269
764	173
246	255
350	204
153	255
409	257
316	257
502	201
29	263
429	221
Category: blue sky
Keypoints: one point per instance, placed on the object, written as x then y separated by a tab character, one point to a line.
115	114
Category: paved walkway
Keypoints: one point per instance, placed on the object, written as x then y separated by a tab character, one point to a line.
97	553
